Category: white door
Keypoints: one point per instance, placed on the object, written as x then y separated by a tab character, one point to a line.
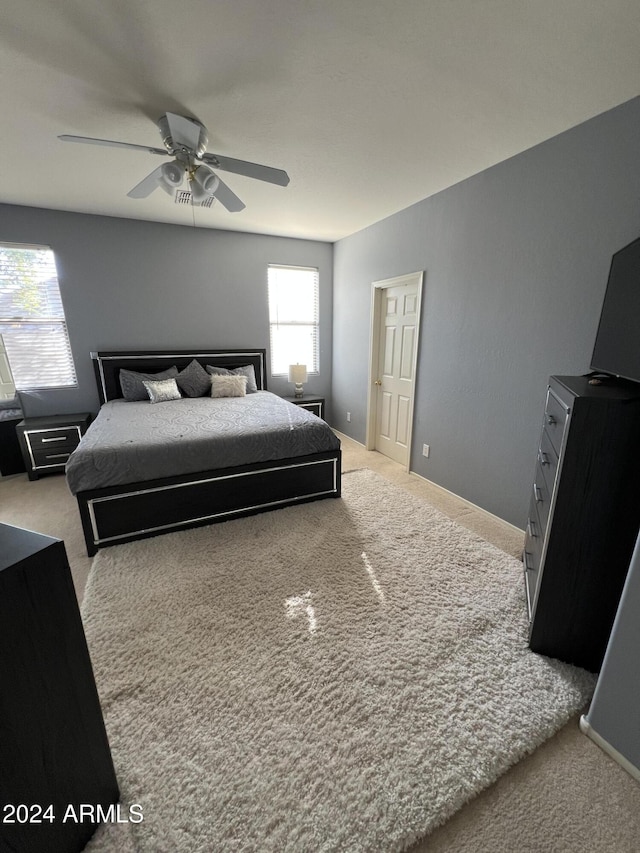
396	310
7	387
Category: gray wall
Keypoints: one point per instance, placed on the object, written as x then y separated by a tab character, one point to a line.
516	261
140	285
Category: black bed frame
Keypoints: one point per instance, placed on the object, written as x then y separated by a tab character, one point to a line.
118	514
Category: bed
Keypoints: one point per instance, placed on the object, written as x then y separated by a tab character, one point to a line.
142	469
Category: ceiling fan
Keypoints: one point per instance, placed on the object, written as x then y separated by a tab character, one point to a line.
185	140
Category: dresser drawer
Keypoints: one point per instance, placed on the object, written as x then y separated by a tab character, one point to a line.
555	418
532	556
66	438
541	497
548	460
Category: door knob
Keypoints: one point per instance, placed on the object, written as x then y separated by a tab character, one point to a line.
378	382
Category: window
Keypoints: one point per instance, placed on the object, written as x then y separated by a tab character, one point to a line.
293	318
32	321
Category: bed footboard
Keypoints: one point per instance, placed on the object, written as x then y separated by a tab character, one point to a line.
120	514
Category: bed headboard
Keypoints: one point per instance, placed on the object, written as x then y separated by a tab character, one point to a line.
107	365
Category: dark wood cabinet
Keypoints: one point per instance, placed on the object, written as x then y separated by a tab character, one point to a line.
313	404
47	442
583	517
54	751
11	461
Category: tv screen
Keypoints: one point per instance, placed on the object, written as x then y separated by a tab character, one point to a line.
617	347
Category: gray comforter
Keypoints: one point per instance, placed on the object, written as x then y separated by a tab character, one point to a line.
133	442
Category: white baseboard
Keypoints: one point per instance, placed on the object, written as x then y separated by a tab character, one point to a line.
342	436
470	504
605	746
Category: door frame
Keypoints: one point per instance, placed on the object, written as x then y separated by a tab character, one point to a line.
377	288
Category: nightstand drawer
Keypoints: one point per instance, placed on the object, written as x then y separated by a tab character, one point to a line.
311	404
316	407
66	438
44	458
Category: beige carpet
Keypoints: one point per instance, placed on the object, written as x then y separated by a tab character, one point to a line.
343	675
568	796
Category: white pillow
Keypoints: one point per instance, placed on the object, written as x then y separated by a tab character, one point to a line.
162	390
246	370
228	386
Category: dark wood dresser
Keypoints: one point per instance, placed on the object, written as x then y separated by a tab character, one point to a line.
584	516
54	751
11	461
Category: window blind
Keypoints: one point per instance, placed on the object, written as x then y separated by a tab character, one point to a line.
294	318
32	321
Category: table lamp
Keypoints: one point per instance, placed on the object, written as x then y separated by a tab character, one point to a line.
298	375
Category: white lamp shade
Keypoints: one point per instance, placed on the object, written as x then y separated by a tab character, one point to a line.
172	173
171	176
298	373
208	180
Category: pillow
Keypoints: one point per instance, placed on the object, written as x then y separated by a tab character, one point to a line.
228	386
246	370
162	390
131	382
194	381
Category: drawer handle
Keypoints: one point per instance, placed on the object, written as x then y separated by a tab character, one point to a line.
59	438
531	529
537	493
551	420
543	458
528	561
58	455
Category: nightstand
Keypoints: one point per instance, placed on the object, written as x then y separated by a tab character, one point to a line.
47	442
314	404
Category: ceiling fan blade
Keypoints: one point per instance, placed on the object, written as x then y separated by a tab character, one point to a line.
250	170
184	133
90	141
147	185
228	198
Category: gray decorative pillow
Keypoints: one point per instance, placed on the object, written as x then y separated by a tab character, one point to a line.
246	370
131	382
194	381
162	390
228	386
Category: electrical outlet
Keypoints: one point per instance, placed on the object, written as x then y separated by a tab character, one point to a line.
426	450
348	417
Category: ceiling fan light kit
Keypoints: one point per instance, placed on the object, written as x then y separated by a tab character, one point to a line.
186	139
206	179
171	176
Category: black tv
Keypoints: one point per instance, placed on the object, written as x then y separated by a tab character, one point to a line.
617	347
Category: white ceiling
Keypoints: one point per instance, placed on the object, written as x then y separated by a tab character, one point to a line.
370	105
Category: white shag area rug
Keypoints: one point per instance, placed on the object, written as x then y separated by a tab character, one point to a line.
338	676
